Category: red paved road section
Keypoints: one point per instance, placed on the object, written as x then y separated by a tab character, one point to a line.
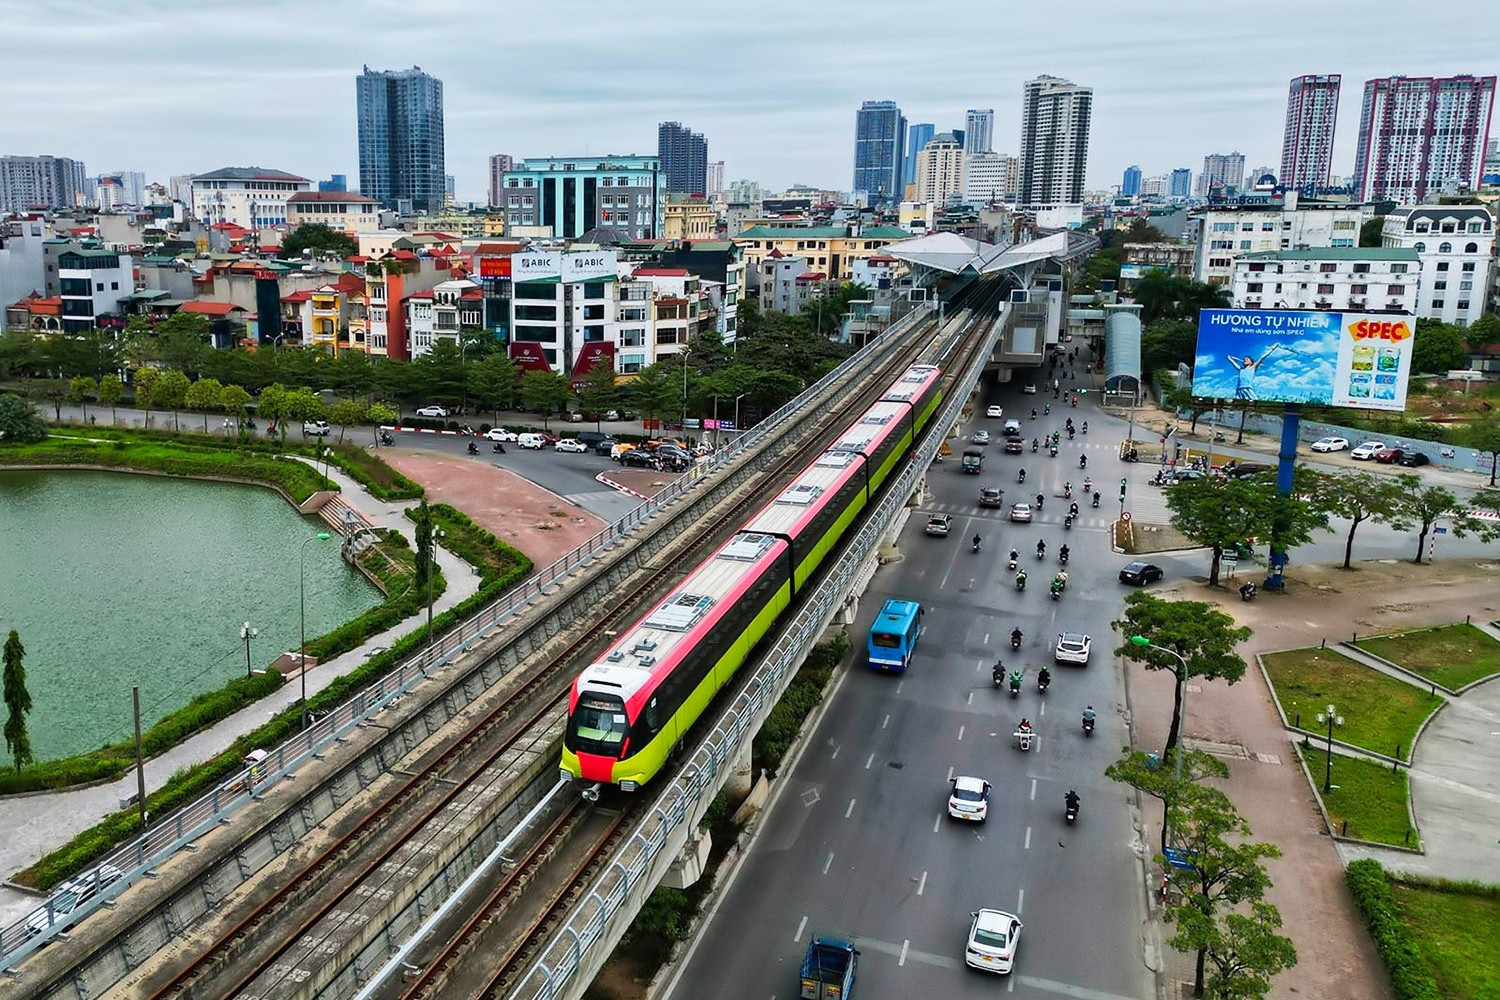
513	509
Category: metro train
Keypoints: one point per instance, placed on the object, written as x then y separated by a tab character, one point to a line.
629	707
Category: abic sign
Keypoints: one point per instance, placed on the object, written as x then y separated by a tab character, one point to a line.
565	267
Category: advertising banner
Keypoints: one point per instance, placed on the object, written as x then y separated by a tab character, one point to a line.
1129	272
494	267
565	267
591	354
528	356
1335	359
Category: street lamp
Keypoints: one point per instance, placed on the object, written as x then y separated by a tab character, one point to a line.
1330	716
247	633
737	428
321	536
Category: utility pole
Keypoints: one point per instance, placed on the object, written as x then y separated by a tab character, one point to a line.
140	766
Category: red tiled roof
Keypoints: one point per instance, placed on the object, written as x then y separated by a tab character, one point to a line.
345	197
811	276
350	283
209	308
295	297
661	272
229	227
421	295
39	306
497	248
473	293
357	259
404	255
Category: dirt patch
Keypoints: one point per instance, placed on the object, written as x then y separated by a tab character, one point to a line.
1141	538
645	482
623	977
513	509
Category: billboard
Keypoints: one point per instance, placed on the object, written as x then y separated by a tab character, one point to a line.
565	267
1131	271
1334	359
494	267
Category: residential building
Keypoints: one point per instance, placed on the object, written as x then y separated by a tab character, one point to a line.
348	213
1418	133
92	284
714	180
1328	279
917	137
690	218
560	303
1182	183
570	196
1055	120
401	147
1155	186
35	313
1262	178
23	260
442	312
252	197
785	284
991	177
940	169
499	164
879	151
718	264
1176	258
1228	231
119	189
1130	185
828	249
1222	173
378	317
684	158
335	182
36	182
745	192
1312	111
1456	245
979	130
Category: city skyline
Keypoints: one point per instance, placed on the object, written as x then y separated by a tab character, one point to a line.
780	113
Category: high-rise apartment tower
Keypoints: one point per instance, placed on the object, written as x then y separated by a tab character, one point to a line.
401	149
1055	116
1312	109
1418	133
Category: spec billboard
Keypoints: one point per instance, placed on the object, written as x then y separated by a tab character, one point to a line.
1336	359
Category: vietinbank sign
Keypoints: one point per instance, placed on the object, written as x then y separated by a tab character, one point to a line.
564	267
1335	359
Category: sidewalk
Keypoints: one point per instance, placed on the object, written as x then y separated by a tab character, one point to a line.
36	824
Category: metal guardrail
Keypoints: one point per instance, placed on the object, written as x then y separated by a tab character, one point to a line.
580	946
192	821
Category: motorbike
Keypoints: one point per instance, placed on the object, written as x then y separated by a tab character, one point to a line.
1132	455
1021	581
1088	484
386	438
473	448
1088	725
1096	498
1056	591
1085	427
1062	556
1035	444
976	545
1070	433
1248	591
499	448
1021	476
997	673
1041	550
1052	451
1015	639
1083	461
1043	682
1068	522
1067	491
1072	808
1039	499
1023	739
1015	684
1012	564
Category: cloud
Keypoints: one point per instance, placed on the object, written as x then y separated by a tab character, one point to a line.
176	86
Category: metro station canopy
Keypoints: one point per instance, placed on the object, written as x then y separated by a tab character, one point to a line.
957	254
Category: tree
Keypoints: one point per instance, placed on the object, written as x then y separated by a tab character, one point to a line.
1220	513
233	399
1438	348
380	415
144	380
1484	437
320	238
1357	497
56	391
351	373
1419	506
1179	397
1163	295
422	522
18	420
1243	950
1484	331
1167	344
17	701
545	392
492	383
302	404
1371	233
204	396
597	391
654	390
80	388
170	391
181	340
271	406
1200	633
347	413
111	391
1158	776
440	372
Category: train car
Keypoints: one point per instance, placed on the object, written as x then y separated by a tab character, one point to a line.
921	387
893	635
628	709
815	510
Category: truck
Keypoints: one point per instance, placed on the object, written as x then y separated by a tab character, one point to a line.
973	461
828	969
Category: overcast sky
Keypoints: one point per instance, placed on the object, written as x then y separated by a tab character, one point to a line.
186	86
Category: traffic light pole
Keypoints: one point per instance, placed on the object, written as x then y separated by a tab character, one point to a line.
1122	496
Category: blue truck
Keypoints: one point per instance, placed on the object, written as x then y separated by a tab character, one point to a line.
828	969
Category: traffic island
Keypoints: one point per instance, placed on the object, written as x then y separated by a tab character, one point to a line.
1453	657
1365	801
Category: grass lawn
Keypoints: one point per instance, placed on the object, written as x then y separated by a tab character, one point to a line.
1456	932
1451	655
1380	713
1366	795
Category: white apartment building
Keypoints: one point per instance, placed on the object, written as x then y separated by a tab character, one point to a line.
1346	279
1227	231
92	283
23	262
340	210
253	197
776	281
940	169
1456	246
991	177
441	313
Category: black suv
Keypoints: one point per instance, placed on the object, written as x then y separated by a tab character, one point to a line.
639	458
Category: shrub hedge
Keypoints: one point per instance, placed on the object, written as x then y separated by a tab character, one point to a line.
1411	979
367	469
797	702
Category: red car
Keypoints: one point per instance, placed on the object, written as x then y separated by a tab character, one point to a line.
1386	456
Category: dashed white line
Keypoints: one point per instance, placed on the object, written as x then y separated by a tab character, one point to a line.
950	772
828	864
1033	789
898	686
971	698
835	753
937	822
885	722
1027	847
960	734
850	811
1042	711
905	944
986	638
800	928
922	885
1020	900
868	761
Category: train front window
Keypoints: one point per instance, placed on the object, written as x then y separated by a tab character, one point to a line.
886	640
599	725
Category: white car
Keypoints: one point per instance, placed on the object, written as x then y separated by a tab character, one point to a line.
969	798
500	434
68	897
1072	647
1367	451
570	444
1020	512
980	437
993	937
432	411
1029	389
1331	444
995	411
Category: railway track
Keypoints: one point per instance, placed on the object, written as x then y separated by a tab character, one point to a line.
509	953
267	952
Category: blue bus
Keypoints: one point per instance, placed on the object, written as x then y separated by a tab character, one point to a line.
894	634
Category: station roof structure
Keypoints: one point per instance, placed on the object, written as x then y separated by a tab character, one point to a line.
957	254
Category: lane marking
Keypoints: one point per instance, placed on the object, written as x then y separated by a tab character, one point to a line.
898	686
886	721
1033	789
800	928
1020	900
850	811
828	864
937	822
950	772
835	753
868	761
1042	711
922	885
960	734
971	698
1027	847
986	638
905	944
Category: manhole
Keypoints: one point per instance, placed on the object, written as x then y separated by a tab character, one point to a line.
895	765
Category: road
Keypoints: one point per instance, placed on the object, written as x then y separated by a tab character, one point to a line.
857	840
